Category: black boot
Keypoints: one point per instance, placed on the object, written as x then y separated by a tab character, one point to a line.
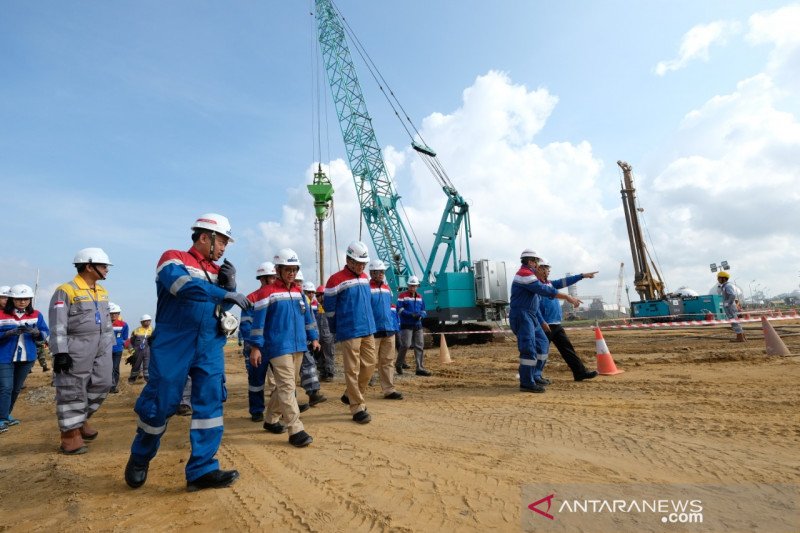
136	473
300	439
213	480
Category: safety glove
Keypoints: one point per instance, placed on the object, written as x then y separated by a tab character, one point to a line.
13	332
33	331
226	278
62	363
239	299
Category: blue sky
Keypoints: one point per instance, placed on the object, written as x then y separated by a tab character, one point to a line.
123	121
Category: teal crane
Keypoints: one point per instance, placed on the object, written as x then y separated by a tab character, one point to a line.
448	278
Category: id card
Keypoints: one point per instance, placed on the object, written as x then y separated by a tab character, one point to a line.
97	317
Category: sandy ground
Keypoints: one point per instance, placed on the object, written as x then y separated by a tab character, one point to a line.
690	408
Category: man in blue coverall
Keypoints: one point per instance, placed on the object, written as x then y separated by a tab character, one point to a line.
527	323
193	292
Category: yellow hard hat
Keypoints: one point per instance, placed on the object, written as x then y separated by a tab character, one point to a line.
723	274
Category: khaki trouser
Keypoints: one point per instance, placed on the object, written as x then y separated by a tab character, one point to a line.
386	357
358	356
282	402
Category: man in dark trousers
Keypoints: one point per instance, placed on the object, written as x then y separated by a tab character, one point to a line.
551	311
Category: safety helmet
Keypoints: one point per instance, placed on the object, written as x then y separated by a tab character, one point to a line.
413	280
91	255
528	253
299	275
723	274
308	286
320	290
145	317
4	290
20	291
357	251
214	222
114	308
286	257
544	262
266	269
377	264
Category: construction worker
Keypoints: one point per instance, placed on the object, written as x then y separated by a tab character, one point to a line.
82	340
266	275
4	295
348	307
282	327
411	311
551	313
121	335
194	294
21	326
730	304
385	314
327	354
140	342
527	322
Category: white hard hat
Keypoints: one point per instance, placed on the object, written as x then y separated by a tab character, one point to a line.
266	269
299	275
145	317
377	264
214	222
20	291
4	290
286	257
413	280
309	286
114	308
357	251
544	262
528	252
91	255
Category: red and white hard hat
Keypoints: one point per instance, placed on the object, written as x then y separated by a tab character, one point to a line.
91	255
267	268
216	223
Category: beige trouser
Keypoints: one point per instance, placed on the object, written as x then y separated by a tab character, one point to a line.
386	357
282	402
358	356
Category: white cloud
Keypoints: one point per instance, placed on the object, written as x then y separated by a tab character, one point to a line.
696	43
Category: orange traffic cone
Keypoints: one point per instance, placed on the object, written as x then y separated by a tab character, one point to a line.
605	363
775	345
444	351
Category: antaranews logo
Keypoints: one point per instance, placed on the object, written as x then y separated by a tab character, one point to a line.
534	506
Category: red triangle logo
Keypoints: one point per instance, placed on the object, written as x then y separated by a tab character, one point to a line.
545	514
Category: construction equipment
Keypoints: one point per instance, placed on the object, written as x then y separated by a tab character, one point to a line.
454	288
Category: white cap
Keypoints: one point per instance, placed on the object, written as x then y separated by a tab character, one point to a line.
286	257
357	251
145	317
91	255
114	308
376	264
266	269
309	286
20	291
528	252
413	280
214	222
4	290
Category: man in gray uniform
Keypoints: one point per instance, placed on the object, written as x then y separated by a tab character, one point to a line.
81	340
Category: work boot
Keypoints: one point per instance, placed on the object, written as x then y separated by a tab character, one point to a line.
586	375
362	417
184	410
72	442
114	390
45	369
398	369
135	473
344	399
532	388
88	432
542	381
276	428
393	396
739	338
257	417
405	366
423	372
316	397
217	479
303	407
300	439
